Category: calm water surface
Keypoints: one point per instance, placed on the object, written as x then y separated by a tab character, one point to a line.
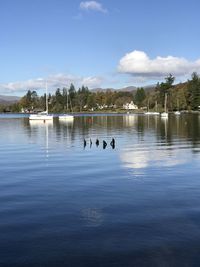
65	205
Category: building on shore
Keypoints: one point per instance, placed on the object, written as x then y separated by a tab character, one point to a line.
130	106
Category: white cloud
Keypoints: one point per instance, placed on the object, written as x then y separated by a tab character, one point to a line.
53	81
138	64
92	82
92	5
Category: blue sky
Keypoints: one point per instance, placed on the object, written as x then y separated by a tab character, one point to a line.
106	43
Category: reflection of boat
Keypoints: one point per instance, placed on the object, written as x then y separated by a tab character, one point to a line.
36	123
43	116
152	113
40	128
66	117
165	113
66	121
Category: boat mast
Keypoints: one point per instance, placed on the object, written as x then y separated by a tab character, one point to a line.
67	100
165	102
46	99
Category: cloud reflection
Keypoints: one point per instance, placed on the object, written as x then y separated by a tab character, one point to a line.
140	159
92	217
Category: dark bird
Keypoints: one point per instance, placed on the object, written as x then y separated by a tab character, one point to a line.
104	144
84	142
97	142
112	143
90	142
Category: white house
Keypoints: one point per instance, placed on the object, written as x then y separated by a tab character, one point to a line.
129	106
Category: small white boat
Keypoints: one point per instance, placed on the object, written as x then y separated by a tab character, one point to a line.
152	113
66	117
165	113
44	116
177	112
41	116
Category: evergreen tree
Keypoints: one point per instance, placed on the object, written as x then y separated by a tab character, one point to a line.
194	91
169	80
163	88
72	95
139	96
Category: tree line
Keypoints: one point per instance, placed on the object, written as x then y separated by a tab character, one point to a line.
182	96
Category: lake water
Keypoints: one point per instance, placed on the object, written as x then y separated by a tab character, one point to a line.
137	204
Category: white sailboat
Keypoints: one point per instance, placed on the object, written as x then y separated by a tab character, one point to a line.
177	112
66	117
165	113
44	114
152	112
156	107
148	112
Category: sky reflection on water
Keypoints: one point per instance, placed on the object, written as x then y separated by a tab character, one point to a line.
66	205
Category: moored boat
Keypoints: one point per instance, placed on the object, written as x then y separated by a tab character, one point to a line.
165	113
66	117
42	115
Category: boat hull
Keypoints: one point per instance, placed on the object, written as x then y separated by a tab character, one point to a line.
66	117
164	115
152	113
40	117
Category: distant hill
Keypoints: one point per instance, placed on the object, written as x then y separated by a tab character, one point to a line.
128	89
96	90
125	89
4	99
